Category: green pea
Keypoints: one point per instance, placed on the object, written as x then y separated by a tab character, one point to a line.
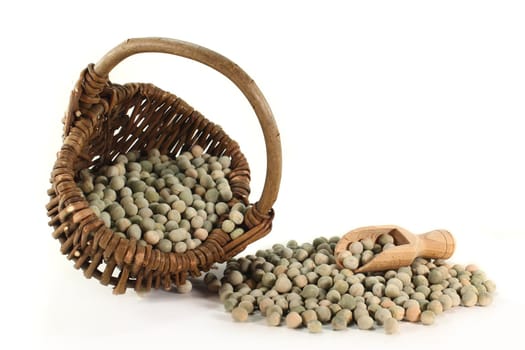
339	323
385	239
323	314
235	277
357	289
239	206
314	326
420	280
435	276
180	247
141	203
268	280
391	326
427	317
130	209
490	285
225	194
351	262
469	298
189	182
211	195
228	226
185	224
333	296
325	282
137	186
341	286
356	248
123	224
134	232
381	315
398	312
446	302
208	226
190	213
347	302
247	305
435	306
106	218
225	162
484	299
178	235
392	291
366	257
274	309
145	213
165	245
147	224
174	215
186	196
110	194
206	181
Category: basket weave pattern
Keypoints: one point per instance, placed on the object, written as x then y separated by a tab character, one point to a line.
104	120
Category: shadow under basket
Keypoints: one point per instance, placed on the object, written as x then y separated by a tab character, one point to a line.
105	120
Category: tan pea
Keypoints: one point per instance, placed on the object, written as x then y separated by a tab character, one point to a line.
300	281
293	320
264	304
365	322
240	314
185	288
201	234
412	313
357	289
151	237
283	284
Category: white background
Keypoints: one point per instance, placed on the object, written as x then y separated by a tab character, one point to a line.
390	112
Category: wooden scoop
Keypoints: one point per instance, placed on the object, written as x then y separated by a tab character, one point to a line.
437	244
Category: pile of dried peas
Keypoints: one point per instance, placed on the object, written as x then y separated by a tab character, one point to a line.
301	286
172	204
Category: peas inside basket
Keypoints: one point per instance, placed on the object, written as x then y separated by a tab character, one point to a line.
106	120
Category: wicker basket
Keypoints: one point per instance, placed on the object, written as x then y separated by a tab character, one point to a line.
106	119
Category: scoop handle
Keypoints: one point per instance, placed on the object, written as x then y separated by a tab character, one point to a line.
437	244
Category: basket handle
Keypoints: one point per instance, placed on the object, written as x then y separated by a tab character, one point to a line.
232	72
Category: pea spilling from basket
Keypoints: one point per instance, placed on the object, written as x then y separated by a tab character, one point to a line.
172	204
304	285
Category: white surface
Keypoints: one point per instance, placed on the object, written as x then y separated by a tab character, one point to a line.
407	113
